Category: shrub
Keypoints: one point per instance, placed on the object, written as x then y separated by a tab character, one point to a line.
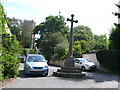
10	66
10	51
26	51
109	59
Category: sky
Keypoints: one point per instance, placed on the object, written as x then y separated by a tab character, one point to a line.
96	14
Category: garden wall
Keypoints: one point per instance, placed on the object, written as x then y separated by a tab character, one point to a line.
59	63
92	57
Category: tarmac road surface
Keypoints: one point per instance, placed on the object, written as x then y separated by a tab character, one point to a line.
91	80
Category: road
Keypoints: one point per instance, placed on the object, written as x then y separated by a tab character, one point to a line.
91	80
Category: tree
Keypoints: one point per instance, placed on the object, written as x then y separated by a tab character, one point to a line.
115	38
22	29
51	44
55	24
82	33
101	42
88	41
77	49
85	35
85	46
60	51
52	24
15	26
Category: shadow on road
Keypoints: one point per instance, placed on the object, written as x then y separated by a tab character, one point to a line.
22	75
97	77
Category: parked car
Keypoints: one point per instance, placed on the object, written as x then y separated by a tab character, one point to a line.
84	64
22	59
36	64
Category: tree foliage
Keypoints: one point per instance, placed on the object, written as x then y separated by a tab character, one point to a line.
53	44
84	35
87	41
101	42
15	26
22	29
115	38
77	49
52	24
84	40
53	37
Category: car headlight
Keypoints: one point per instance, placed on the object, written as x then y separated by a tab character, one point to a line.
45	66
87	65
28	66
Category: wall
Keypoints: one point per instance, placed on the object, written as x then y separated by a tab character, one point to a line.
92	57
57	63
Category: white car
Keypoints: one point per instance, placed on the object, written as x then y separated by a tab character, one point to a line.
84	64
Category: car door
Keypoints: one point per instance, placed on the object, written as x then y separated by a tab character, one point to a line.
80	64
77	64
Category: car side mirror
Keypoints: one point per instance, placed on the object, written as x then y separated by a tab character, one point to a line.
80	62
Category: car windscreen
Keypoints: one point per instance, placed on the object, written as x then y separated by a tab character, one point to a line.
84	61
36	59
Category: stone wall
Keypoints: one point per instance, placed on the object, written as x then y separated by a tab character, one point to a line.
90	56
59	63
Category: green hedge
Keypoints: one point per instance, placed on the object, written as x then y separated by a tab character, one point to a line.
109	59
10	51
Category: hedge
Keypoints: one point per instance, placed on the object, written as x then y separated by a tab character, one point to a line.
10	51
109	59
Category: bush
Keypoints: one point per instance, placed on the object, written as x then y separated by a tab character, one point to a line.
109	59
26	51
10	66
10	51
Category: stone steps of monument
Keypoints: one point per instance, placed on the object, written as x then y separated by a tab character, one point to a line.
69	68
68	71
62	74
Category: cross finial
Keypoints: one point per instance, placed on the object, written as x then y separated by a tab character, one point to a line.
72	15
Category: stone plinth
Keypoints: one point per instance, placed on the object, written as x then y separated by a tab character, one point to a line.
68	72
69	63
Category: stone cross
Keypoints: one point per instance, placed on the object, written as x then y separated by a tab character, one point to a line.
69	62
70	53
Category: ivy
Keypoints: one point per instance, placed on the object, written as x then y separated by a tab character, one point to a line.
9	50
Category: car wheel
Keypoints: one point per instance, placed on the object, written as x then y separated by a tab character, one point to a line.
46	74
83	68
